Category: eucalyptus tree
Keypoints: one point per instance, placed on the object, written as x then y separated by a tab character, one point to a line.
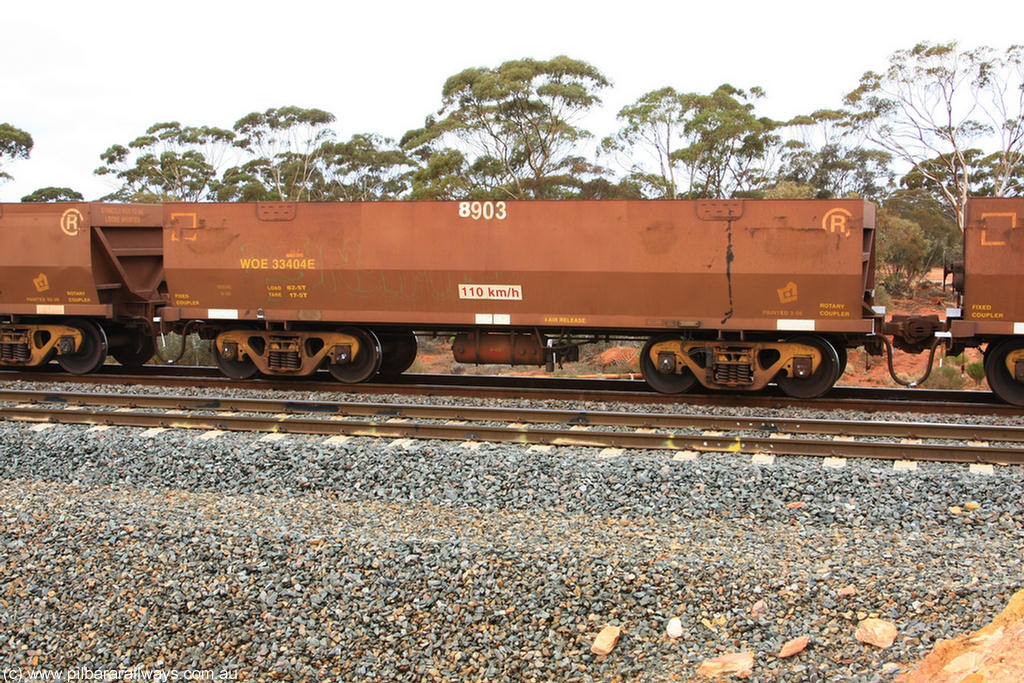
731	151
936	102
701	145
652	129
824	154
170	162
517	127
286	146
368	167
14	144
53	194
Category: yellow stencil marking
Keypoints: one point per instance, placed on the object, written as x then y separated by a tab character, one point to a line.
191	216
836	220
1012	215
70	222
788	294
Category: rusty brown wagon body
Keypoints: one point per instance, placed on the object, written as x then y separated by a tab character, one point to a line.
516	280
77	280
991	281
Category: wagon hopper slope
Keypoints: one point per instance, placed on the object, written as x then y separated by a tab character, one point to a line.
78	281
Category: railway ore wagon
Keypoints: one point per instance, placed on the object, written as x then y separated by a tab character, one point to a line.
991	280
731	294
78	280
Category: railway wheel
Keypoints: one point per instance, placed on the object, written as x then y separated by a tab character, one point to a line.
235	368
398	351
92	352
367	360
137	351
664	382
822	379
1003	380
843	359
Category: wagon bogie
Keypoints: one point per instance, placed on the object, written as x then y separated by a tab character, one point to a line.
242	353
32	344
804	366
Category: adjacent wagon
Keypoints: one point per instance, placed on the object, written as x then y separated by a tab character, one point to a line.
78	281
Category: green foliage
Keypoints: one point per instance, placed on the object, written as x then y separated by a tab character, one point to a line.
197	351
601	188
654	125
822	156
934	103
53	194
788	189
902	253
170	162
714	144
366	168
835	170
946	377
514	132
983	175
945	242
14	144
515	127
976	371
728	145
882	297
443	175
287	146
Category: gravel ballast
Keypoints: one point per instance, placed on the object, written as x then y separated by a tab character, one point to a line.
298	559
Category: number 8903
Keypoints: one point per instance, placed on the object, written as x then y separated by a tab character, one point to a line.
483	210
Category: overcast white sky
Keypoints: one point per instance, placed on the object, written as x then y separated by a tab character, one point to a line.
80	76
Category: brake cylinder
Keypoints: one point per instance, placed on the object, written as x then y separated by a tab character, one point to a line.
499	348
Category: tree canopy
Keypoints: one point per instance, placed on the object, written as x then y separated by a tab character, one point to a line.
14	144
53	194
516	127
170	162
935	103
940	121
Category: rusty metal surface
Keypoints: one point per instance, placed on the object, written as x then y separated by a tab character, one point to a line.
284	353
30	345
994	268
73	258
738	265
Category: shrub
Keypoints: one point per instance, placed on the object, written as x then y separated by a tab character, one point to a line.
976	371
946	377
902	252
197	351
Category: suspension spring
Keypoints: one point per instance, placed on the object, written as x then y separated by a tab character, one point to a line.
284	360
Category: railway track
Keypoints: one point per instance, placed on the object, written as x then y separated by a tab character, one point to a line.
543	388
997	444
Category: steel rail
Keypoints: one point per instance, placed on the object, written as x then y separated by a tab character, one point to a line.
770	425
286	423
866	399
